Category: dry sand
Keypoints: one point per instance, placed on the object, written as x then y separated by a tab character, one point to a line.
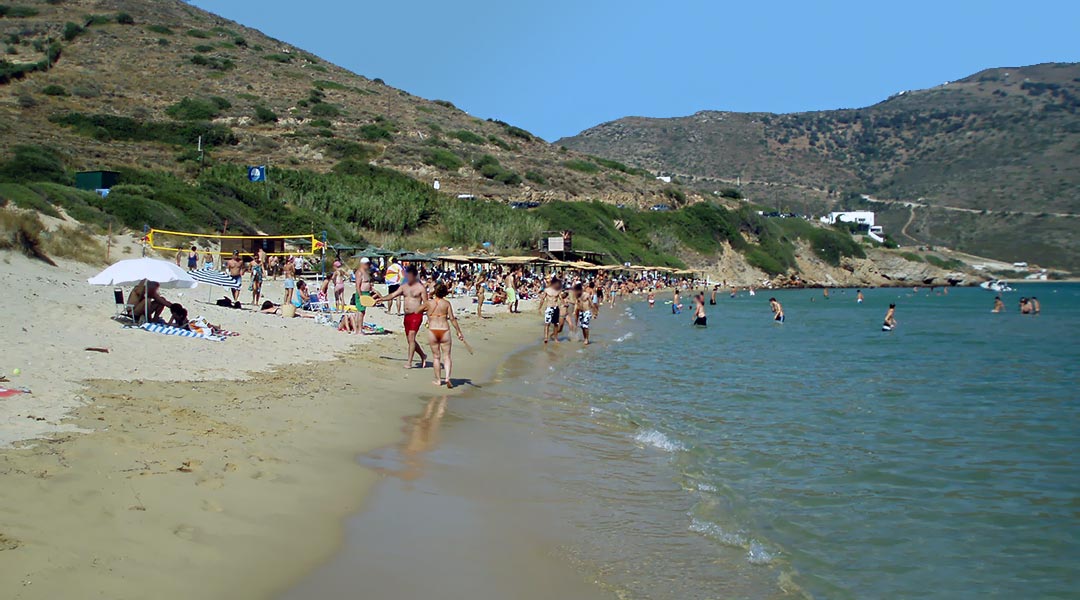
187	468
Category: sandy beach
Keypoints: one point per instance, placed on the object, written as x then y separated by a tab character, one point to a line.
188	467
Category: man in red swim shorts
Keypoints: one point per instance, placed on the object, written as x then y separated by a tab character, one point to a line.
416	297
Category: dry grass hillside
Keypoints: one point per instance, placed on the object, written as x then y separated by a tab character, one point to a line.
166	69
991	155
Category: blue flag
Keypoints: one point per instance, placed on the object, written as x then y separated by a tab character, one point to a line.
257	174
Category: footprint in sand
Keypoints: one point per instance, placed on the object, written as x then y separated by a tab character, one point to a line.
211	506
7	543
211	483
186	532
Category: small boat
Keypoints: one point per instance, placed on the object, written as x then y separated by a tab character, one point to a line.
996	285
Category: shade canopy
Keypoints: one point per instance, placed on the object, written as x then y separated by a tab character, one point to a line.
135	270
215	278
456	258
516	260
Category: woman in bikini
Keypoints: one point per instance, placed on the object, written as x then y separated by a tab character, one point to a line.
440	317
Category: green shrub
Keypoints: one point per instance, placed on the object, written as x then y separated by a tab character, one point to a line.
582	166
323	109
535	177
203	48
467	137
17	12
278	58
501	143
442	159
518	133
110	127
198	33
95	20
911	257
71	31
54	90
323	84
125	19
159	29
444	103
190	109
324	123
951	264
215	63
264	115
34	163
373	132
346	150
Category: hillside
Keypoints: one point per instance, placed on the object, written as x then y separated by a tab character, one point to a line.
994	159
133	83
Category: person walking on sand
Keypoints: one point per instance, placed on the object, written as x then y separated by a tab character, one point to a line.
193	259
890	319
440	317
480	293
257	273
549	307
999	306
288	270
364	287
235	267
395	273
208	260
584	304
777	310
416	297
699	310
512	291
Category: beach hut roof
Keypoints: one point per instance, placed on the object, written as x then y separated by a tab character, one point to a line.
457	258
516	260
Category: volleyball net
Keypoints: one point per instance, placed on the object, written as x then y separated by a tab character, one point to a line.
247	245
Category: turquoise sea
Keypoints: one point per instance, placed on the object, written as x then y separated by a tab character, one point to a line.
820	458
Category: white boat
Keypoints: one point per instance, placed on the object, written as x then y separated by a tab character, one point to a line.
996	285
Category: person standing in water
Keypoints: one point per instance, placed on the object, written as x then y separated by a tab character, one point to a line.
700	319
712	296
652	298
777	309
1035	306
858	297
440	318
583	309
676	306
890	319
999	306
825	292
550	302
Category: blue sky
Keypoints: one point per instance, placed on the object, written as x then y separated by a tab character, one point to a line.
560	66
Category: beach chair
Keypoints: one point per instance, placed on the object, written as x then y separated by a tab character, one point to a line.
123	309
319	303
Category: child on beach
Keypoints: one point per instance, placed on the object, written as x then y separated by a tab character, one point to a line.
584	305
549	307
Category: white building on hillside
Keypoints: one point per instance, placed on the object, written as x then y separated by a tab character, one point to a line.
861	217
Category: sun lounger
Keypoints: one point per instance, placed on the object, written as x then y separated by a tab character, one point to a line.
123	309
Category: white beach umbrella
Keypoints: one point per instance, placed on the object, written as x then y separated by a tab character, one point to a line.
135	270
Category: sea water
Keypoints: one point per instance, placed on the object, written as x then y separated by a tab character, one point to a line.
818	458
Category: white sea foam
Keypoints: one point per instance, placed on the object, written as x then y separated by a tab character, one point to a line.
756	553
704	487
622	338
654	438
715	532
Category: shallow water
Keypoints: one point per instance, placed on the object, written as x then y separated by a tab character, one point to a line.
819	458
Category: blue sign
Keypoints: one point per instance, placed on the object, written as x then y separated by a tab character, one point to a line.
256	174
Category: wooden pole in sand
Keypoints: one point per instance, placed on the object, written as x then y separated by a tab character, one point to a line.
108	243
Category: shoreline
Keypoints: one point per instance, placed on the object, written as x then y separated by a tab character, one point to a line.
234	486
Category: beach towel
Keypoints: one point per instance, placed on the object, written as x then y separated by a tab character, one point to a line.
167	330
